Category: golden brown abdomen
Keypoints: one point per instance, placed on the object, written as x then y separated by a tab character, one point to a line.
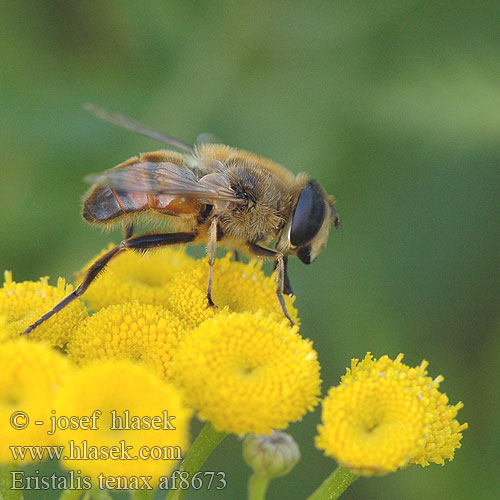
104	205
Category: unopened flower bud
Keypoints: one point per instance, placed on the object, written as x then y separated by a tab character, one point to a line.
272	455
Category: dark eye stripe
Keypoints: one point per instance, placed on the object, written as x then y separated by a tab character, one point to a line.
304	254
308	216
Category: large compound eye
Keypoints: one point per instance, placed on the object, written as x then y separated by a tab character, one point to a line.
308	216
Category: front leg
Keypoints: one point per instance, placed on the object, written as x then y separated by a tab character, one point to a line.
280	266
287	289
211	247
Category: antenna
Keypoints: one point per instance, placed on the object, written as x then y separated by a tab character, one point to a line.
134	126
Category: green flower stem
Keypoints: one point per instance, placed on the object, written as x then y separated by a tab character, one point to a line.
98	494
334	485
70	495
207	440
6	482
142	494
257	487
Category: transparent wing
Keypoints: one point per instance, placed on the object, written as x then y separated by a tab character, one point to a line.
134	126
166	178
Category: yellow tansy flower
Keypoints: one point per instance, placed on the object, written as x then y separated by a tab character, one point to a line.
385	415
23	303
443	431
4	330
245	372
127	390
231	285
131	330
188	301
134	276
30	376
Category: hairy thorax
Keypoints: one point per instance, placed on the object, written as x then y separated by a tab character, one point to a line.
268	203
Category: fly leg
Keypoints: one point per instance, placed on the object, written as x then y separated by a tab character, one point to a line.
138	243
287	287
211	247
280	266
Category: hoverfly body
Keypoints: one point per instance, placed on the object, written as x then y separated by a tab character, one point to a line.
212	194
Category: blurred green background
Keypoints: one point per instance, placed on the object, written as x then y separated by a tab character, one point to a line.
394	106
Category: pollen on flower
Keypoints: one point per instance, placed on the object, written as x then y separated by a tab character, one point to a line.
4	330
21	304
188	291
133	276
132	330
130	391
443	432
173	280
231	285
30	376
245	372
385	415
188	301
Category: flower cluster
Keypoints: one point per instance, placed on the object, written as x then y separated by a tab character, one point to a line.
149	342
240	366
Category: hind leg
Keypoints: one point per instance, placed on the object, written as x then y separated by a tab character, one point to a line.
139	243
